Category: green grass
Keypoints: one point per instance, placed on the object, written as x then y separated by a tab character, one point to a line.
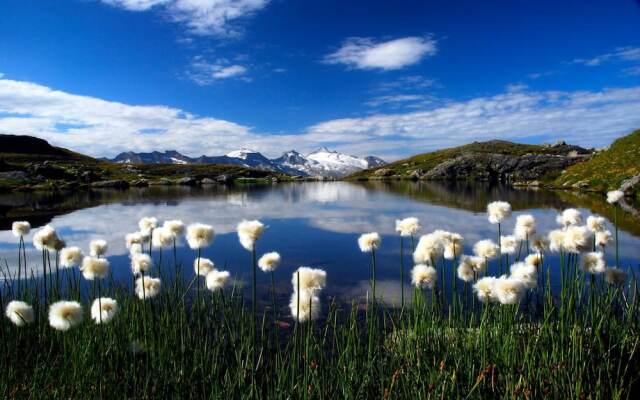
607	169
580	342
428	161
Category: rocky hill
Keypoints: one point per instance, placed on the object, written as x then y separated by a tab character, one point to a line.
491	161
616	167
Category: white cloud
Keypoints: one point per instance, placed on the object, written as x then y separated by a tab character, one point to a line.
365	53
402	100
104	128
205	73
201	17
627	53
582	117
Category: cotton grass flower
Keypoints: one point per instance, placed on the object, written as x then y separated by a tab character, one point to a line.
134	238
509	290
217	280
593	263
595	224
603	238
540	244
175	227
428	249
577	239
486	249
249	232
304	306
569	217
269	261
71	257
140	263
147	224
94	268
135	248
424	276
525	227
408	226
311	279
556	240
103	310
508	244
465	270
20	228
147	287
19	313
369	242
614	196
202	266
534	260
98	248
64	315
161	237
46	238
615	276
477	264
525	273
199	235
498	211
453	246
485	289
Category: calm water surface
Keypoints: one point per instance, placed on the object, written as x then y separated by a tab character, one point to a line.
311	224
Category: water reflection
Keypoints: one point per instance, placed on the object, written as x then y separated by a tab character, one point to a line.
314	224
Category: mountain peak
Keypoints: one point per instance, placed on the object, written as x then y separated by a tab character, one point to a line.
242	153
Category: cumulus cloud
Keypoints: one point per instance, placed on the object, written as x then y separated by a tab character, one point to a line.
104	128
201	17
204	72
366	53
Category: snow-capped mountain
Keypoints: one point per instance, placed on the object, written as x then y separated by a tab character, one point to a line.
323	162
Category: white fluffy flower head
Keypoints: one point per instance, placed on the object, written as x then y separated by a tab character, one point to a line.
593	263
217	280
20	228
147	287
98	247
595	224
486	249
569	217
140	262
525	227
369	242
94	268
509	290
103	310
424	276
249	232
308	307
311	279
199	235
71	257
147	224
269	261
498	211
603	238
485	289
64	315
525	273
175	226
614	196
508	244
408	226
429	247
202	266
46	238
20	313
162	237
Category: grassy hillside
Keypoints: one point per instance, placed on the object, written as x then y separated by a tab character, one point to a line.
607	169
427	161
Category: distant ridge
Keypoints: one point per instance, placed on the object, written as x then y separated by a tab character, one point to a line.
33	146
322	162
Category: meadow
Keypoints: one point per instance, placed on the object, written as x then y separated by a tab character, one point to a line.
72	331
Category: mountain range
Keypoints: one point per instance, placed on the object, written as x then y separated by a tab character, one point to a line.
322	162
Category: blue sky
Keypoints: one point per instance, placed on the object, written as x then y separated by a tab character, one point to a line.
363	77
